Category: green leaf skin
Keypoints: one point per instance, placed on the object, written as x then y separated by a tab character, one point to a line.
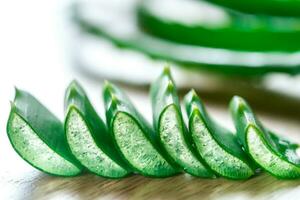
133	135
123	32
226	29
170	128
265	7
38	137
88	137
216	145
273	153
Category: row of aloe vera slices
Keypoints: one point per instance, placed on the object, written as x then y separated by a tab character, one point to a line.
129	144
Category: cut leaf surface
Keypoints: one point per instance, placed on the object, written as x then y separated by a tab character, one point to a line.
217	146
88	137
133	135
273	153
170	127
38	137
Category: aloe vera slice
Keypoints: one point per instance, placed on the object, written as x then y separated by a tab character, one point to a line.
270	7
273	153
170	127
88	137
117	25
134	136
216	145
212	26
38	137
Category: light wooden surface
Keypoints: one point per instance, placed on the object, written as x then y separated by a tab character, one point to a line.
137	187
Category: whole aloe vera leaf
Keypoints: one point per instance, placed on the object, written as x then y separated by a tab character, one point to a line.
133	135
212	26
170	128
216	145
88	136
246	63
273	153
38	137
267	7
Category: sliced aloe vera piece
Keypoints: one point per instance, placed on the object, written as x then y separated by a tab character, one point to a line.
88	137
170	127
117	24
271	7
273	153
134	136
209	25
38	137
216	145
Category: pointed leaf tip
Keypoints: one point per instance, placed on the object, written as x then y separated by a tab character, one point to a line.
170	86
12	104
74	83
108	88
114	101
107	85
74	88
236	97
114	98
237	100
17	92
192	95
167	70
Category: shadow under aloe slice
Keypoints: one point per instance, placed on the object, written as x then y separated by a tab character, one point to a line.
216	145
88	138
273	153
170	127
38	137
134	136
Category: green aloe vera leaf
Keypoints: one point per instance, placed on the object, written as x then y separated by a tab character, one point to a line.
133	135
38	137
265	7
212	26
216	145
273	153
88	137
121	30
170	127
